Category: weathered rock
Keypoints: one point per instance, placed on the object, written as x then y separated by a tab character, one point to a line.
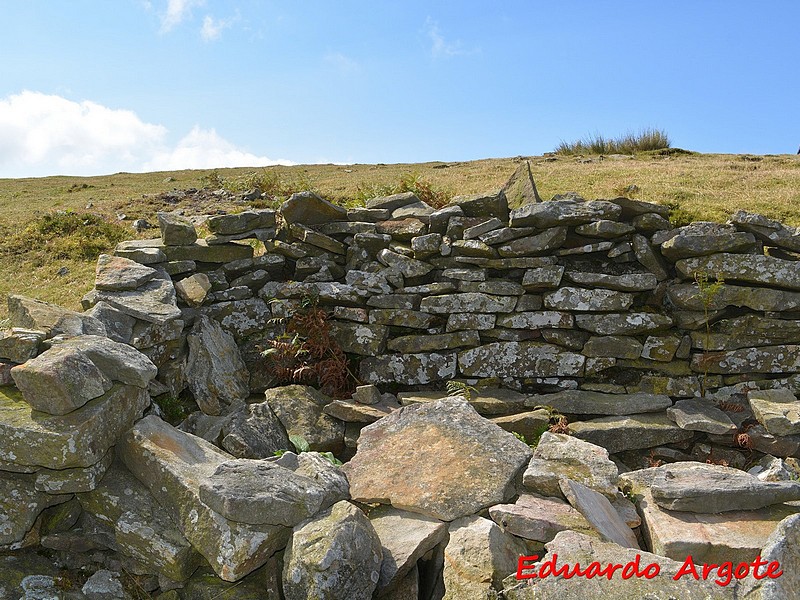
483	205
154	302
405	537
560	456
202	251
487	401
354	412
115	273
259	491
700	415
72	481
648	258
771	232
240	318
599	512
172	464
632	323
216	373
766	359
337	554
176	230
409	369
246	220
29	313
142	529
401	318
613	347
539	519
585	402
777	410
299	408
393	202
19	345
540	243
519	359
506	234
572	298
747	331
520	189
320	469
630	282
78	439
563	212
310	209
604	229
748	268
193	289
687	296
633	432
470	321
529	424
360	338
417	457
543	278
254	432
692	242
409	267
478	556
660	348
20	504
119	362
104	585
781	547
696	487
535	320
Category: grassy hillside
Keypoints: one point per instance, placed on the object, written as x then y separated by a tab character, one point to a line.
51	256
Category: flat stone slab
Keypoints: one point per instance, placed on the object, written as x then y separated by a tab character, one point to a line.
172	465
584	402
258	492
747	268
409	369
564	212
558	456
310	209
600	513
469	302
154	302
20	505
300	408
699	415
686	296
777	410
520	359
696	487
539	519
587	300
114	273
78	439
632	432
766	359
487	401
631	323
418	457
405	538
631	282
29	313
781	547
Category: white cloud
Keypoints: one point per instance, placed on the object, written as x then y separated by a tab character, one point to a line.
441	48
212	28
342	63
177	11
43	134
205	149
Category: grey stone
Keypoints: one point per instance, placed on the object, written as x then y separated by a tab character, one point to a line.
747	331
254	431
585	249
215	371
519	359
600	513
409	369
747	268
558	456
631	282
202	251
258	491
478	556
409	267
700	415
319	240
539	519
777	410
506	234
520	189
401	318
470	321
613	347
355	412
115	273
461	275
581	299
367	394
28	313
335	555
403	230
310	209
20	505
536	320
487	401
428	343
648	258
563	212
317	467
633	432
193	289
769	231
631	323
19	345
104	585
780	547
543	278
483	205
246	220
533	245
393	202
172	464
699	487
472	248
417	458
154	302
584	402
688	297
426	245
418	210
176	230
687	244
604	229
476	231
299	409
497	287
360	338
766	359
240	318
75	480
467	302
370	215
650	223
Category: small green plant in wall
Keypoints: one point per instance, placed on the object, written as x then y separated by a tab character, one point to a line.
708	292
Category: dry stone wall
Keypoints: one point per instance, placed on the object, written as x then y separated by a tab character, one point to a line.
659	357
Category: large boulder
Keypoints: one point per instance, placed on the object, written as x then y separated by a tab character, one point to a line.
29	313
300	409
337	554
310	209
254	432
419	457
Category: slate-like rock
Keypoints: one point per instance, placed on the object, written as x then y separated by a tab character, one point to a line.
563	212
487	401
587	300
409	369
699	415
478	556
409	267
418	457
613	346
781	547
631	323
74	480
560	456
299	409
633	432
772	232
254	431
360	338
765	359
246	220
392	202
20	504
692	242
630	282
29	313
119	362
747	268
193	289
539	518
320	469
686	296
173	464
533	245
154	302
215	371
259	491
176	230
777	410
115	273
597	509
520	359
78	439
648	257
699	487
309	209
520	189
335	555
405	537
586	402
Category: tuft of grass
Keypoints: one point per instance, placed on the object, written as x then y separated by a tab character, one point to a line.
425	190
648	139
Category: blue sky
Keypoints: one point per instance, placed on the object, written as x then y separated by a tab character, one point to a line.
100	86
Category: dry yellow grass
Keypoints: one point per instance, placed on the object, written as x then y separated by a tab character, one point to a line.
701	187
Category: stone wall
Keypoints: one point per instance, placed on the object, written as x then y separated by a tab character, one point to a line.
655	344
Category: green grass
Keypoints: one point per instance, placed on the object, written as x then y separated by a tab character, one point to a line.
646	140
51	255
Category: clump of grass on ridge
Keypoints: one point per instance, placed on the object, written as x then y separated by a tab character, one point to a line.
630	143
424	189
